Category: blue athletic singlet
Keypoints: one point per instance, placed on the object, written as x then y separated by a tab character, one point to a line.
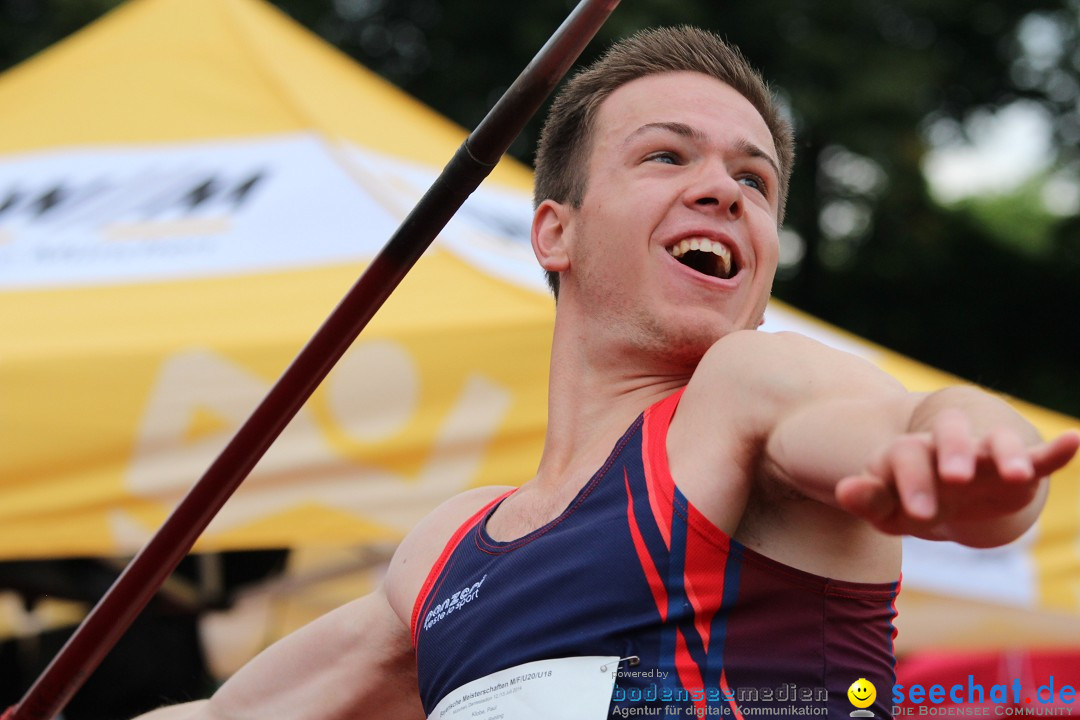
632	569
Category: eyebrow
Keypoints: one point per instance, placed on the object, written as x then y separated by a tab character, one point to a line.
691	133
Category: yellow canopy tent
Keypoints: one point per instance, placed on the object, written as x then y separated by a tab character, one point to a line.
190	187
187	187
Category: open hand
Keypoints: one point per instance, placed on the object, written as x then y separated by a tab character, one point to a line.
938	484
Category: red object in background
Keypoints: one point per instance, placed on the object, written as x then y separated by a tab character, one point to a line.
1041	680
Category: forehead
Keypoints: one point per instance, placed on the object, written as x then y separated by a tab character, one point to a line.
700	101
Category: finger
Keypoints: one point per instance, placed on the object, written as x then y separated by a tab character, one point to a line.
913	471
956	447
1010	456
866	496
1052	456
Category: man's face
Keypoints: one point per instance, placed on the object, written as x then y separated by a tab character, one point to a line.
679	161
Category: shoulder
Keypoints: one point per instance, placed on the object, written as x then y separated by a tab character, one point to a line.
749	381
765	352
421	548
776	370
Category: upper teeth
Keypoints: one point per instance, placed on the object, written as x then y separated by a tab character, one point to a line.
703	245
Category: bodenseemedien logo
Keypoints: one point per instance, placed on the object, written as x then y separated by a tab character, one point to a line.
862	694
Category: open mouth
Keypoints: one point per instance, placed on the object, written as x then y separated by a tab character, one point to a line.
706	257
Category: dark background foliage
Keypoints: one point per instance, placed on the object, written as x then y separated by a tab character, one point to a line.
983	288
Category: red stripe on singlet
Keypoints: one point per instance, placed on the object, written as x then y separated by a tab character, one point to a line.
654	448
652	575
423	599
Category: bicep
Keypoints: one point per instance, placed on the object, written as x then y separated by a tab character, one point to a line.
809	414
356	660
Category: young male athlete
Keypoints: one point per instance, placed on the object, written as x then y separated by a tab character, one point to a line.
721	505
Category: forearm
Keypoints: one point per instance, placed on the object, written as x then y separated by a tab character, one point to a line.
188	711
356	659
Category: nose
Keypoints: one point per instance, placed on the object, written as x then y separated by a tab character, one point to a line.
715	190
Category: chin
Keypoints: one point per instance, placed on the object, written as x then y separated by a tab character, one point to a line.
681	338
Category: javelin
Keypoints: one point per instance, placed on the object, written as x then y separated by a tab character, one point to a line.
472	162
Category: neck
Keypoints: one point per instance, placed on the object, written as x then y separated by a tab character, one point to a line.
596	391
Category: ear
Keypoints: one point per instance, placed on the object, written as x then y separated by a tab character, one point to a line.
549	236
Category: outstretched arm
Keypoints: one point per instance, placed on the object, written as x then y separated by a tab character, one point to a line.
958	464
356	661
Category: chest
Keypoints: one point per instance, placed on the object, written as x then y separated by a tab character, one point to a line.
571	588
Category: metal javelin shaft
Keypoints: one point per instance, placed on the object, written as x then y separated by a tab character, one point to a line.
472	162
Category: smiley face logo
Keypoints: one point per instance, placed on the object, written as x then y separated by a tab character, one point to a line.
862	693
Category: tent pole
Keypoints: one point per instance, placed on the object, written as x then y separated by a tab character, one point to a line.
472	162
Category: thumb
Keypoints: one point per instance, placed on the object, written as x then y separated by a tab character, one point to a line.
867	497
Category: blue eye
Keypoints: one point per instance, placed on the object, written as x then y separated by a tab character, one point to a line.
754	182
665	156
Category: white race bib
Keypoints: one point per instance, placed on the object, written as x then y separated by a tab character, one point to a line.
564	689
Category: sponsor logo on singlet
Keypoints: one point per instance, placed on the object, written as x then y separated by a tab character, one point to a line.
453	603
